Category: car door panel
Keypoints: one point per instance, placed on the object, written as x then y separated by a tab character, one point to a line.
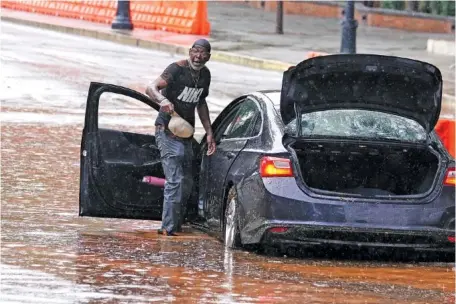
122	148
219	166
231	137
127	161
113	164
206	183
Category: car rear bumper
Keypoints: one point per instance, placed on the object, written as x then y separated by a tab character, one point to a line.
304	234
278	202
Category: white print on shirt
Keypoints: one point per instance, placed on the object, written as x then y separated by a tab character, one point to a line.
190	95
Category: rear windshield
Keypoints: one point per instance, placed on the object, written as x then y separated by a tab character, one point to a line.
360	124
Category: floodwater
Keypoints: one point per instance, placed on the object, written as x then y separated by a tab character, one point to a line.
50	255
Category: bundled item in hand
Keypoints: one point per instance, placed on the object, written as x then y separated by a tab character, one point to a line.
180	127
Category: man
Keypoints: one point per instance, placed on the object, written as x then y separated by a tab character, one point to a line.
182	87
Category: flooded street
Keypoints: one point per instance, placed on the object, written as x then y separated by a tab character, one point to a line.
51	255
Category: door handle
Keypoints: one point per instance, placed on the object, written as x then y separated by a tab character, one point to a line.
230	155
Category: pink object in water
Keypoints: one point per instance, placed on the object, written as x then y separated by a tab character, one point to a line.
155	181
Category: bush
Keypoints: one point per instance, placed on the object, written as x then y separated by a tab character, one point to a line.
398	5
442	8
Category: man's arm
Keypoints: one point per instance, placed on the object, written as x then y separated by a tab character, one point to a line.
203	110
165	79
203	113
154	88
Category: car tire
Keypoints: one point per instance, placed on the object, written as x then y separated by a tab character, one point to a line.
231	233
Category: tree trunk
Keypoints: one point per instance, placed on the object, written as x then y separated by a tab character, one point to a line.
411	6
279	18
446	8
423	6
435	7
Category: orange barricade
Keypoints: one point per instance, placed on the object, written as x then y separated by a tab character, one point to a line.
144	14
446	130
183	17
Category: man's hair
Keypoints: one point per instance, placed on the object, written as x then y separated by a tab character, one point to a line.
203	43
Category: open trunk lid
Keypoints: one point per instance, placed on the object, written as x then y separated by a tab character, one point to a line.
399	86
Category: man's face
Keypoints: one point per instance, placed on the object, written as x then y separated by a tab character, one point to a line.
199	56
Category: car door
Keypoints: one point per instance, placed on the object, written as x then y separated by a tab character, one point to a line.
113	164
231	137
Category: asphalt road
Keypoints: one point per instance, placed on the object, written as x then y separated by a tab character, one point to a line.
48	70
50	255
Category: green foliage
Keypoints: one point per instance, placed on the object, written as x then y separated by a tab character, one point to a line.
447	8
398	5
442	8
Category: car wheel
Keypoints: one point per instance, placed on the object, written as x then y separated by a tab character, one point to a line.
231	233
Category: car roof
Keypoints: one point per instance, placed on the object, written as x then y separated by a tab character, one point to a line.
274	96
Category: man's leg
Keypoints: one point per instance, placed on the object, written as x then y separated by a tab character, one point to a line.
187	181
172	159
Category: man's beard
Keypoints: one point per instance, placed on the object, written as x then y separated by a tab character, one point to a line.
196	68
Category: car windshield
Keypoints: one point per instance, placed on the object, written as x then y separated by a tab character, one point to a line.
359	124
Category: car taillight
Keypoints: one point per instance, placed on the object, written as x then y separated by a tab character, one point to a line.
275	167
450	177
278	229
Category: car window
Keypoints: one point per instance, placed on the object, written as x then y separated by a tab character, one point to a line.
240	126
224	127
360	124
111	104
257	126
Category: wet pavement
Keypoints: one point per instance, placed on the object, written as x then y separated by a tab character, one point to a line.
243	31
254	35
50	255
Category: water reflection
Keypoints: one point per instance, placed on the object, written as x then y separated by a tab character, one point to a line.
228	264
93	260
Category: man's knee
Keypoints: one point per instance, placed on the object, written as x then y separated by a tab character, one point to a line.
174	172
174	183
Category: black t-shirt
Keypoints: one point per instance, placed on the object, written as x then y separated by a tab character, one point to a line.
184	90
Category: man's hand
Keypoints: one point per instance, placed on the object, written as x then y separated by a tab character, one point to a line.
210	145
203	113
166	106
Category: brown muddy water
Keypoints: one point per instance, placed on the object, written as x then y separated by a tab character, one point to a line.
50	255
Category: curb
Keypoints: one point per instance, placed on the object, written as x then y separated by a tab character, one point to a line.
441	47
119	37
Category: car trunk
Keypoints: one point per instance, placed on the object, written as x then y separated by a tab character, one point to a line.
366	170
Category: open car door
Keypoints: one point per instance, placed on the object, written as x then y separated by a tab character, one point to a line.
113	164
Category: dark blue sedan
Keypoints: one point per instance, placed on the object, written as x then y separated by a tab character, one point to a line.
344	154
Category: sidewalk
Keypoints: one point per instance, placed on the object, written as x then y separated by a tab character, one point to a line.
245	36
239	28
